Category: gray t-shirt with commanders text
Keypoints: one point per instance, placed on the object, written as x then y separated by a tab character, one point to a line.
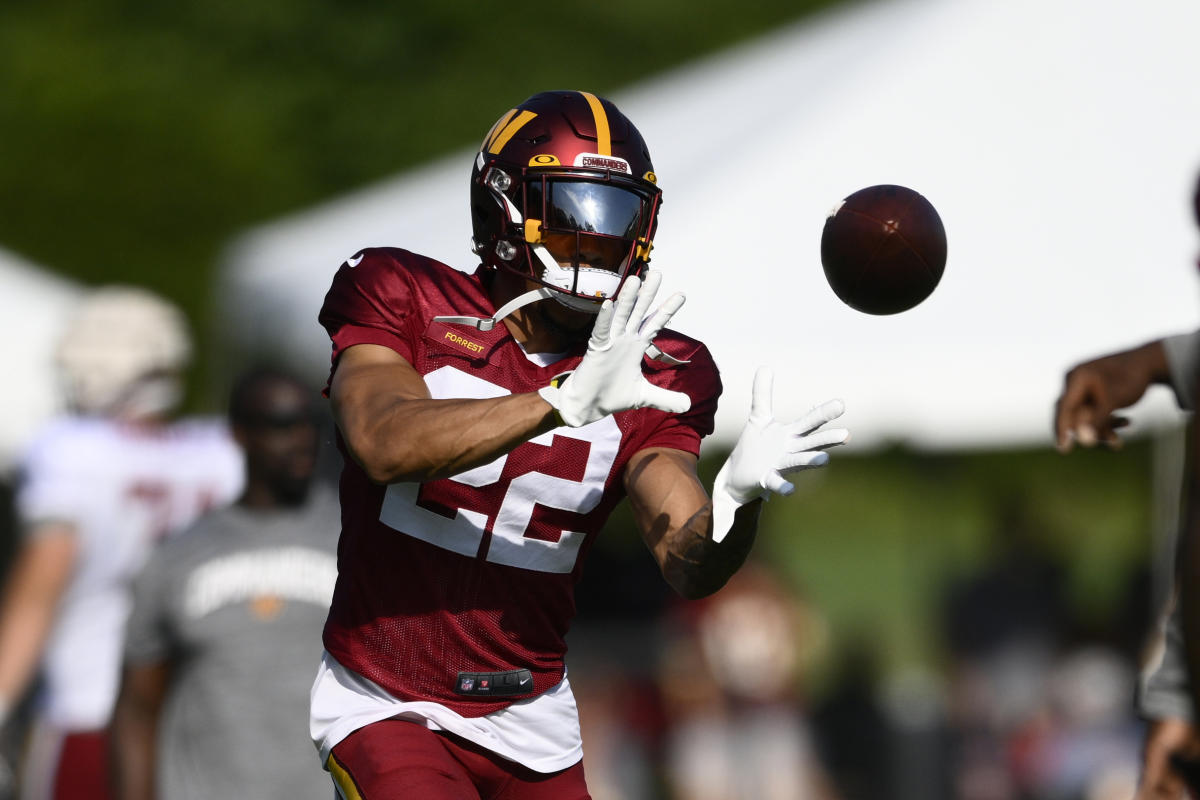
235	607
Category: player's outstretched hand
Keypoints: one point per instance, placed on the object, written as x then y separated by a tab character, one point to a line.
768	450
1095	389
609	378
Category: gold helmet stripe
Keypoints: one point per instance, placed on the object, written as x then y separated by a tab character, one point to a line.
603	136
500	123
508	131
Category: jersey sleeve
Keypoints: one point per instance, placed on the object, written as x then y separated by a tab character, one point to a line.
56	478
1163	691
701	381
1183	358
370	302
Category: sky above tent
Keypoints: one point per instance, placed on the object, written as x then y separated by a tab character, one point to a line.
1059	140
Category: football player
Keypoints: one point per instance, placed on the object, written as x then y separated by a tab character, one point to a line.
491	421
98	488
1088	413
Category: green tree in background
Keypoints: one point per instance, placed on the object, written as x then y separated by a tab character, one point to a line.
139	136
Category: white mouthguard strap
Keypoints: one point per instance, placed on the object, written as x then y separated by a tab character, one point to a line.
487	323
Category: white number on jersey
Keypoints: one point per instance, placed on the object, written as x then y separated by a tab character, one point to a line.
509	545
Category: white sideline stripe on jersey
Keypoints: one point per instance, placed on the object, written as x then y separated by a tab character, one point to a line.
541	733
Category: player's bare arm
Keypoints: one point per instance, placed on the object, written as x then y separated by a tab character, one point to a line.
1095	389
38	580
1166	738
135	730
674	515
397	432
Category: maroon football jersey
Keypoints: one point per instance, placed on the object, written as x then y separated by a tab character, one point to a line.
476	573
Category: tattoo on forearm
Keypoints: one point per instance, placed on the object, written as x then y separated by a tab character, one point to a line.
697	562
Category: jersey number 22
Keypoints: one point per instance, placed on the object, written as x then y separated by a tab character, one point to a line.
463	533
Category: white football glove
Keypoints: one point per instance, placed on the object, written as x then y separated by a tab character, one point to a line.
768	450
609	378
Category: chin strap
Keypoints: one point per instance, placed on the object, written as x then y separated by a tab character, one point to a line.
542	293
487	323
658	355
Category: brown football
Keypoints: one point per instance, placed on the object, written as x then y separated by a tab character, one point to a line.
883	249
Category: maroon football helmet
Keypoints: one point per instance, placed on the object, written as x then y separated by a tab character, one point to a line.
563	192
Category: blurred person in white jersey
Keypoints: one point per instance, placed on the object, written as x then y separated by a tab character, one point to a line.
98	487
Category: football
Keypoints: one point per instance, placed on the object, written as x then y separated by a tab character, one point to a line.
883	249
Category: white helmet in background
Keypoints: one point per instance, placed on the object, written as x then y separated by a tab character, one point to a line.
123	353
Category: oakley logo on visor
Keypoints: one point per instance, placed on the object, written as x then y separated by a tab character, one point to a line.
597	161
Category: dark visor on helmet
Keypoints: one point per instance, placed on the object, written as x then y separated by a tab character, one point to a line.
588	223
588	207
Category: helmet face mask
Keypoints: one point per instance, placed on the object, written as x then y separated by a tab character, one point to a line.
563	193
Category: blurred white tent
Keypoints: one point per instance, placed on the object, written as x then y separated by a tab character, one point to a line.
34	307
1059	139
